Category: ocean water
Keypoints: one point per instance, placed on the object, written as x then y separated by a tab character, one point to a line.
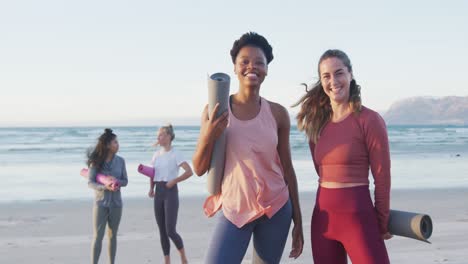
44	163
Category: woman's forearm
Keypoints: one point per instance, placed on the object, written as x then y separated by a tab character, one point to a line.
294	196
202	157
184	176
187	172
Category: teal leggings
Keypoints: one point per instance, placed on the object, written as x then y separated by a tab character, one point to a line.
103	216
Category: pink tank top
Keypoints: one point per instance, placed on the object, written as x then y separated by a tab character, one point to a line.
253	183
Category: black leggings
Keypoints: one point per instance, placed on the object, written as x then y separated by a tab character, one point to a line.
166	207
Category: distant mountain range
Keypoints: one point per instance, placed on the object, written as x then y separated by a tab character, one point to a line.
450	110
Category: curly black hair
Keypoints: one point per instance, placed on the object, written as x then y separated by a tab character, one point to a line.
255	40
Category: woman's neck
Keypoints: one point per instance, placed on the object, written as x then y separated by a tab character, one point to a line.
110	156
166	148
246	96
340	111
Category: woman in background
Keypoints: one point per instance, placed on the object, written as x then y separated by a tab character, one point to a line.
102	159
163	188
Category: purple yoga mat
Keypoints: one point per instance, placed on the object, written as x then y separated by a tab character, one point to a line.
146	170
100	178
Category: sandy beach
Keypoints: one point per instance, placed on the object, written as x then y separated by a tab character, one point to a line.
56	231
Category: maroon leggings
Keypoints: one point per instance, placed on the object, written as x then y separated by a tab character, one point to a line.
344	222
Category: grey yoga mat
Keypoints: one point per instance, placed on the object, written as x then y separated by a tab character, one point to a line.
218	92
409	224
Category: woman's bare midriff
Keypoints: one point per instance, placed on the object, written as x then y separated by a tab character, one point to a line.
336	185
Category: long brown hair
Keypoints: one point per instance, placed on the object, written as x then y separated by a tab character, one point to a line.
98	154
315	105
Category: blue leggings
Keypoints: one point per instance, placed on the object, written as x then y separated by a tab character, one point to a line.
229	243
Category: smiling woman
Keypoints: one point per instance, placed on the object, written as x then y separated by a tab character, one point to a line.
259	194
345	139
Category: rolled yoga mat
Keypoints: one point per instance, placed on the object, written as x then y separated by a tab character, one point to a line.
411	225
100	178
218	92
146	170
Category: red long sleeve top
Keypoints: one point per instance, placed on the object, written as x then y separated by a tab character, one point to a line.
345	150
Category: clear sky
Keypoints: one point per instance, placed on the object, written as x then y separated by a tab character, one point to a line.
145	62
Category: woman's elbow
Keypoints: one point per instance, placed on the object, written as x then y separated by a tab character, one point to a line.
197	166
189	173
198	172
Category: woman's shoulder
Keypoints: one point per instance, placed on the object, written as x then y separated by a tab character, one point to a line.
175	150
119	158
279	112
369	114
274	105
368	117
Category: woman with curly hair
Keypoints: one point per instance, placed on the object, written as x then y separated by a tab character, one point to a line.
259	193
107	210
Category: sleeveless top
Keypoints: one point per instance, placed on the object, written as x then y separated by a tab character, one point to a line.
253	183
